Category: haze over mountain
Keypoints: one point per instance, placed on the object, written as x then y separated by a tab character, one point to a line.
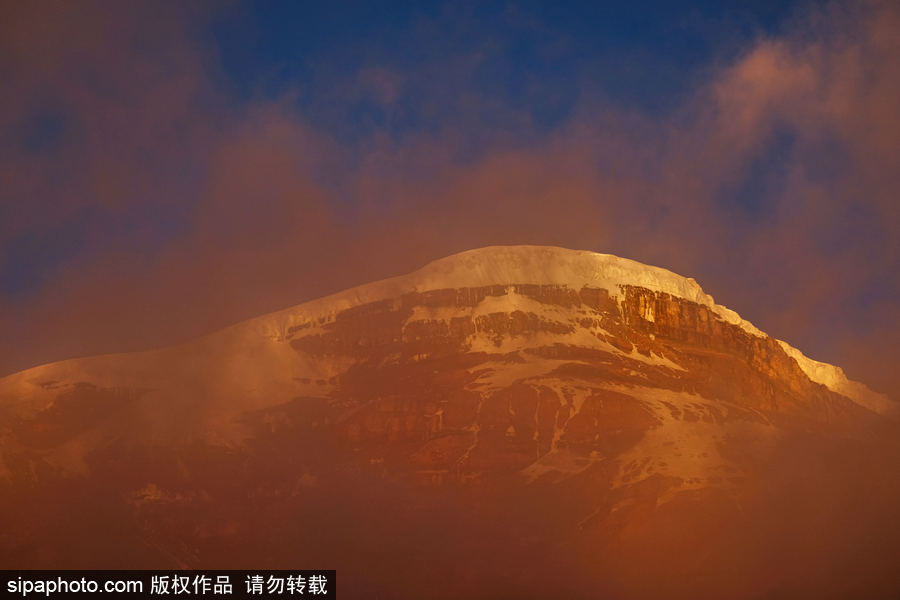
518	421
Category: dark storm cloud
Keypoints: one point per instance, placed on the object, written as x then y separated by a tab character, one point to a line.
144	202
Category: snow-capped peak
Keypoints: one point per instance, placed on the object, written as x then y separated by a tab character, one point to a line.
550	265
541	265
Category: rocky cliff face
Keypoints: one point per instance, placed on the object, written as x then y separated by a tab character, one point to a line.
510	407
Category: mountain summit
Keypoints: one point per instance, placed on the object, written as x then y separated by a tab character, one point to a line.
507	406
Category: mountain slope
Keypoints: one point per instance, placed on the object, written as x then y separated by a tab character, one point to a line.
573	400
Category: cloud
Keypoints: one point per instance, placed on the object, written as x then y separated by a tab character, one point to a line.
145	205
380	84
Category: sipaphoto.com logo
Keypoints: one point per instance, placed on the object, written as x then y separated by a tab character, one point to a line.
24	586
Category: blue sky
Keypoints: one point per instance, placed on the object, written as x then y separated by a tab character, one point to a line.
541	58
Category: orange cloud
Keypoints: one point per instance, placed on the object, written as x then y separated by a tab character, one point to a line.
264	211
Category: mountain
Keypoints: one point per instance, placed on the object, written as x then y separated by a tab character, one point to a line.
509	421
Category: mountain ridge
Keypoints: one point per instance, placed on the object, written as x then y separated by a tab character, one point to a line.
522	264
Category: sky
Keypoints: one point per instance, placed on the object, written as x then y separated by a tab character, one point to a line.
167	169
